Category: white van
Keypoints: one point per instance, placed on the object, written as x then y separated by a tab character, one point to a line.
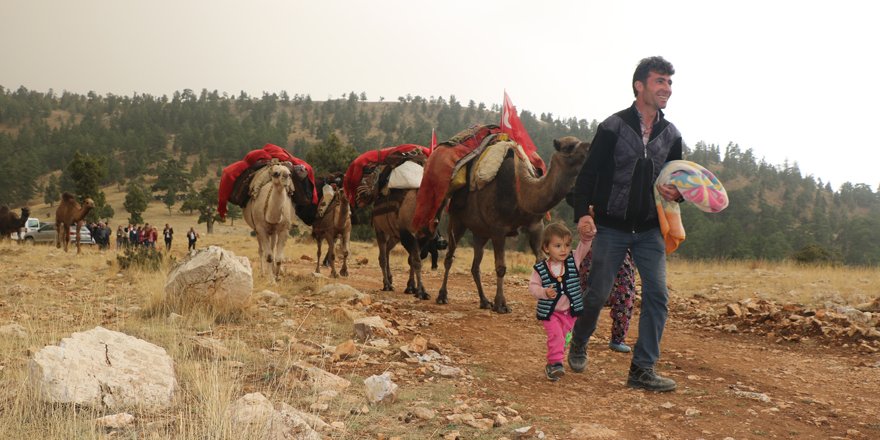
32	224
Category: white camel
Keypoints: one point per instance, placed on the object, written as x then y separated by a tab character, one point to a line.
269	212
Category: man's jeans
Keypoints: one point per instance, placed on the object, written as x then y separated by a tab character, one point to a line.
649	255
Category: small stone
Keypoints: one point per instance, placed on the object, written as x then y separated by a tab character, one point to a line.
692	412
734	309
499	421
418	344
380	388
327	395
730	328
345	350
13	330
338	426
667	405
423	413
319	407
452	435
115	421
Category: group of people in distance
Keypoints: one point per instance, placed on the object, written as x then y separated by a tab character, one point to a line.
618	228
147	235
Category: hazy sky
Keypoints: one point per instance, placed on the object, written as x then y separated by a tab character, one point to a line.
793	80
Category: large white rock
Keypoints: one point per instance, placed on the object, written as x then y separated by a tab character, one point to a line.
213	277
254	416
102	368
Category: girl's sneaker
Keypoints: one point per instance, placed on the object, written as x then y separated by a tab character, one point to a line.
554	371
620	348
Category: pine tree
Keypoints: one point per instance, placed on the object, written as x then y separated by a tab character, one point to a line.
136	201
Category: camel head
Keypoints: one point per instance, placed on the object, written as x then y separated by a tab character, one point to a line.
88	204
570	151
280	175
539	195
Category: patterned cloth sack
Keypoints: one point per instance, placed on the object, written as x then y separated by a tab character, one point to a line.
697	185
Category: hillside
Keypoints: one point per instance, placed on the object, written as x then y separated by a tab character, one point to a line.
776	213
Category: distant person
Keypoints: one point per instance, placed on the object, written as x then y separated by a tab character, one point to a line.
191	237
121	237
152	236
133	235
168	233
556	285
618	179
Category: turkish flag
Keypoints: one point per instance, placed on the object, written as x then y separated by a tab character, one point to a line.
433	139
511	124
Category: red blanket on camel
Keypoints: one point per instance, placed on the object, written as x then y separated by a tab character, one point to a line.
268	152
371	158
439	168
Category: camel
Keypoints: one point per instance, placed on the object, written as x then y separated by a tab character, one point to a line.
514	199
332	221
11	222
269	212
393	211
70	213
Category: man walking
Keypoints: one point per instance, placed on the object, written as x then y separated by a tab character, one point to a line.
627	153
168	233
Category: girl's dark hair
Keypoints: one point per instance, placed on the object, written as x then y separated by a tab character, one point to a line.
557	229
648	65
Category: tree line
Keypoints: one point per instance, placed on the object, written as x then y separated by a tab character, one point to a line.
84	142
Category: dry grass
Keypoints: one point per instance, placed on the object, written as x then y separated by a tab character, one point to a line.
783	282
52	294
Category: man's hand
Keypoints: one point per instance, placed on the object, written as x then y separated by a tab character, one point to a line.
669	192
586	227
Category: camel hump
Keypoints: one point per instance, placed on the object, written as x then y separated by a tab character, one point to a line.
68	197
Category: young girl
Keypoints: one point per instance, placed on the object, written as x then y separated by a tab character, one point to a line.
556	286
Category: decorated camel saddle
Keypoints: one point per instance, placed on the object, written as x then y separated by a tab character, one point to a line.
399	167
235	182
470	159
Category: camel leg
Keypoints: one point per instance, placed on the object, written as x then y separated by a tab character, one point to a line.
346	249
534	231
262	244
78	227
500	305
58	229
331	241
414	284
479	245
454	231
331	255
318	240
383	262
270	254
280	241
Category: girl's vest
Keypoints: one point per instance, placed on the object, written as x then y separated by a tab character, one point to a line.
567	284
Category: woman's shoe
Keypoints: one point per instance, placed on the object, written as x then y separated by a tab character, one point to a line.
620	348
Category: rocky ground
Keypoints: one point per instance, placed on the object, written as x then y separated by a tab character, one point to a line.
371	364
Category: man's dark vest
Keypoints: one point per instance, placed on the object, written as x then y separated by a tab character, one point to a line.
569	285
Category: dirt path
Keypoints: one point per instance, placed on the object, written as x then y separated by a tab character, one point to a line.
729	385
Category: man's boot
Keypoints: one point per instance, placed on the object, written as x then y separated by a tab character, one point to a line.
577	356
646	378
